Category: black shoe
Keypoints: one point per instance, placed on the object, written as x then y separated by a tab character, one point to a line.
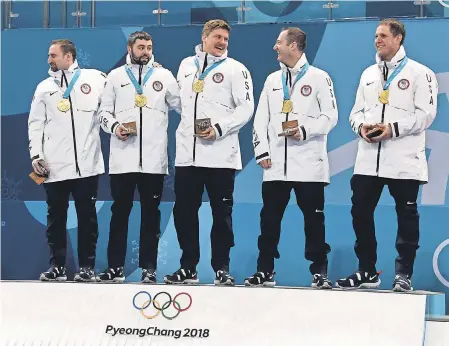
55	273
149	276
321	281
182	276
261	279
223	278
86	274
112	275
360	279
402	283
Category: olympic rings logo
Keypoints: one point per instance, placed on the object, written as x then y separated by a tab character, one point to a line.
160	308
436	269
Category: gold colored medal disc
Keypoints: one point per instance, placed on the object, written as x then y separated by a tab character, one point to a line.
140	100
198	86
384	96
287	106
64	105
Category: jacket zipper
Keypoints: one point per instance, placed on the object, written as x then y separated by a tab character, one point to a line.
289	81
64	78
194	111
385	76
141	119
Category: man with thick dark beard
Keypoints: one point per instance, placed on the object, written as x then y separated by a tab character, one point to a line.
134	110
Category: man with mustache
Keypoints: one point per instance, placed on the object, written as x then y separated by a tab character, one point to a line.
217	101
396	102
65	149
134	110
296	112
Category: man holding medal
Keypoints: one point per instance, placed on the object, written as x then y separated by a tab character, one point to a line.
217	101
65	150
134	110
296	111
396	102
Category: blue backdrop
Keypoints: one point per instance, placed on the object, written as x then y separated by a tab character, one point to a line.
343	49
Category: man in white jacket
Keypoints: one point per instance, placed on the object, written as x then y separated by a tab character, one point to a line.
396	102
137	96
64	143
297	110
217	101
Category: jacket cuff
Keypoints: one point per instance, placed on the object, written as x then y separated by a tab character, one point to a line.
114	126
395	129
264	156
218	130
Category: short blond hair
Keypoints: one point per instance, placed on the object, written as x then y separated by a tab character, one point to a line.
215	24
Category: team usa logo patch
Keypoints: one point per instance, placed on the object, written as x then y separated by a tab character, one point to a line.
85	88
403	84
157	86
306	90
218	77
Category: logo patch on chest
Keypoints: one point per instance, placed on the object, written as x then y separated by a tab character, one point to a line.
403	84
157	86
218	77
306	90
85	88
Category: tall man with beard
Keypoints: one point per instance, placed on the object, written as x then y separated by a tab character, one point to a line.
134	110
65	147
217	101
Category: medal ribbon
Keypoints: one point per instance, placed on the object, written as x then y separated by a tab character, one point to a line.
71	84
210	68
395	73
298	77
134	80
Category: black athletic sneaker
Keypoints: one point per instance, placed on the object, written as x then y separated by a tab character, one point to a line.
182	276
86	274
55	273
149	276
321	281
261	279
112	275
360	279
402	283
223	278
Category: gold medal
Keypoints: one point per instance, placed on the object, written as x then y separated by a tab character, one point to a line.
140	100
64	105
198	86
384	96
287	106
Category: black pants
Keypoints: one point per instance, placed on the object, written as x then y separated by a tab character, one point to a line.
310	199
122	190
189	187
84	192
366	191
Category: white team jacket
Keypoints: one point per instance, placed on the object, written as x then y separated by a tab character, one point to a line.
146	152
315	109
69	143
411	110
227	100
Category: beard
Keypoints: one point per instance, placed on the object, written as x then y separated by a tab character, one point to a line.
142	60
54	68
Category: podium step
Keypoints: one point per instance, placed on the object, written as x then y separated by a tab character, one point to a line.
36	313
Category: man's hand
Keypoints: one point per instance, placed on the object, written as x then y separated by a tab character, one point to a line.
364	130
40	167
387	133
295	133
156	64
121	132
265	164
209	134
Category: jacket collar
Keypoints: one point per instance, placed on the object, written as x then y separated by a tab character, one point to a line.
200	55
69	72
400	55
147	66
298	67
